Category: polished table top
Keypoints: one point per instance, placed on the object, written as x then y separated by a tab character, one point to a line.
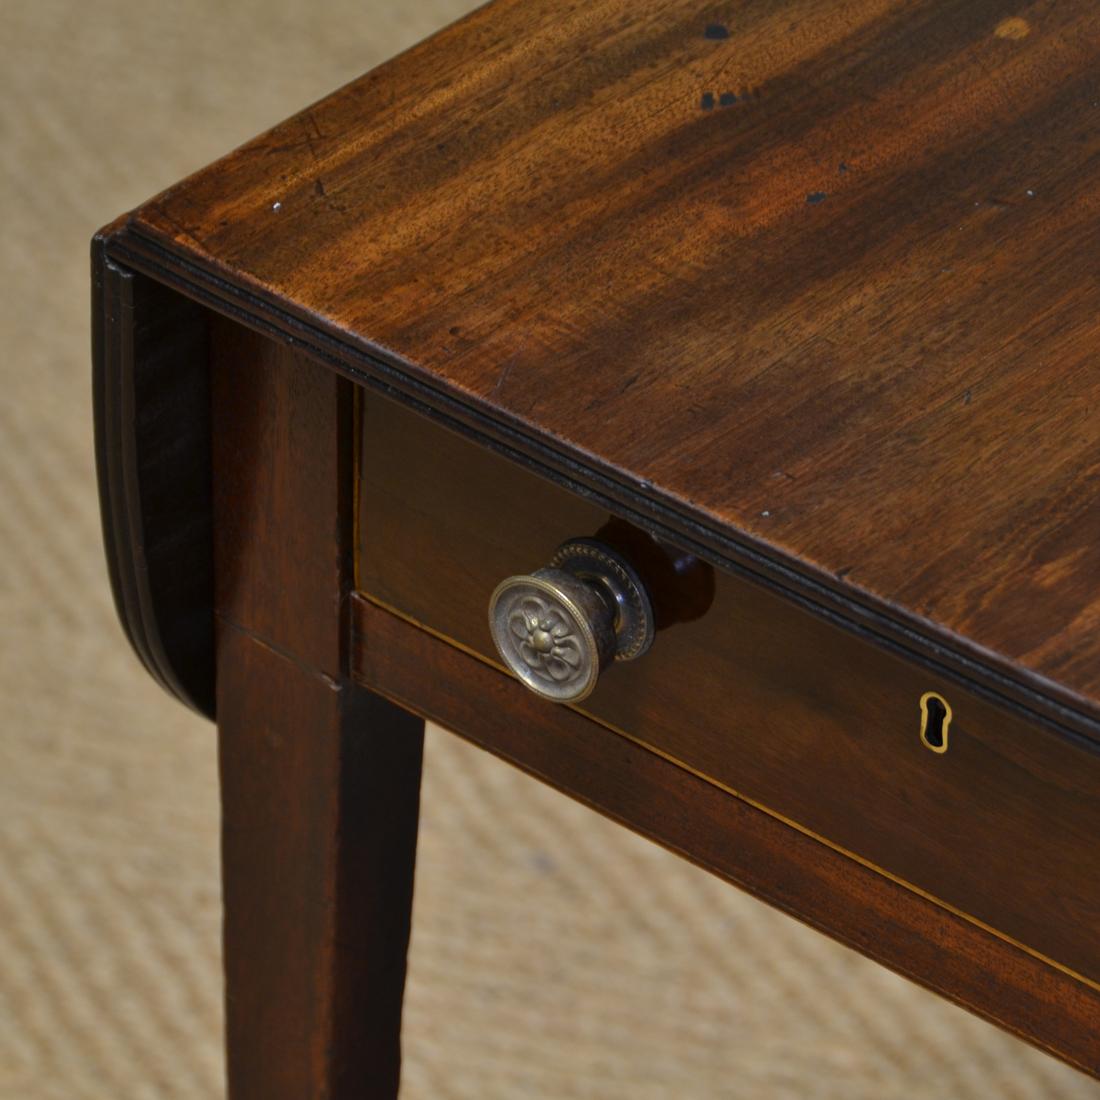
817	281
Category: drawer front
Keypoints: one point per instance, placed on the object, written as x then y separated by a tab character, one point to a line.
802	717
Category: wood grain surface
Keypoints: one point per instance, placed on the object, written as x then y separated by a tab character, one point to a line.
319	778
730	838
820	277
818	724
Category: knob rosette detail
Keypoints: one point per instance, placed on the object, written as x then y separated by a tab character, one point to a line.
558	628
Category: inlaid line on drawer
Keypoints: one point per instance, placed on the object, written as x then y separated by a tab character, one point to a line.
818	723
727	789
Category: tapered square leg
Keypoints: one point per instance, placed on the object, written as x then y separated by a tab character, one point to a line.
320	779
320	786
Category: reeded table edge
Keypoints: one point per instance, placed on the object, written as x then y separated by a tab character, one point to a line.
129	244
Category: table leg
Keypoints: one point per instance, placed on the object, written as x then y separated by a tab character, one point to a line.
320	791
320	778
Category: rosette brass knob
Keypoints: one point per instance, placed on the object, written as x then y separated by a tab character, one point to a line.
558	628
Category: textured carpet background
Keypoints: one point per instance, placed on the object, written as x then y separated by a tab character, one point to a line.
554	955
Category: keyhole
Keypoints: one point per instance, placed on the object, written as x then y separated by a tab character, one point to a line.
935	720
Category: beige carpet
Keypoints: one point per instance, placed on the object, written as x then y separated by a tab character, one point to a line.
558	957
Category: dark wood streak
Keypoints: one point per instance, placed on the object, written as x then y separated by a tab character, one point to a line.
531	207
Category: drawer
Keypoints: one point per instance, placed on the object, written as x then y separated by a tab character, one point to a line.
816	723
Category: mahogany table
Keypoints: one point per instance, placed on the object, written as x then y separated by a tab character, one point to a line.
701	412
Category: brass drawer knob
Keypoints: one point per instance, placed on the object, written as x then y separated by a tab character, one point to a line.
559	627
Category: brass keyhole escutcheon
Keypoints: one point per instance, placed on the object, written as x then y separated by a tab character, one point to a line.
935	721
